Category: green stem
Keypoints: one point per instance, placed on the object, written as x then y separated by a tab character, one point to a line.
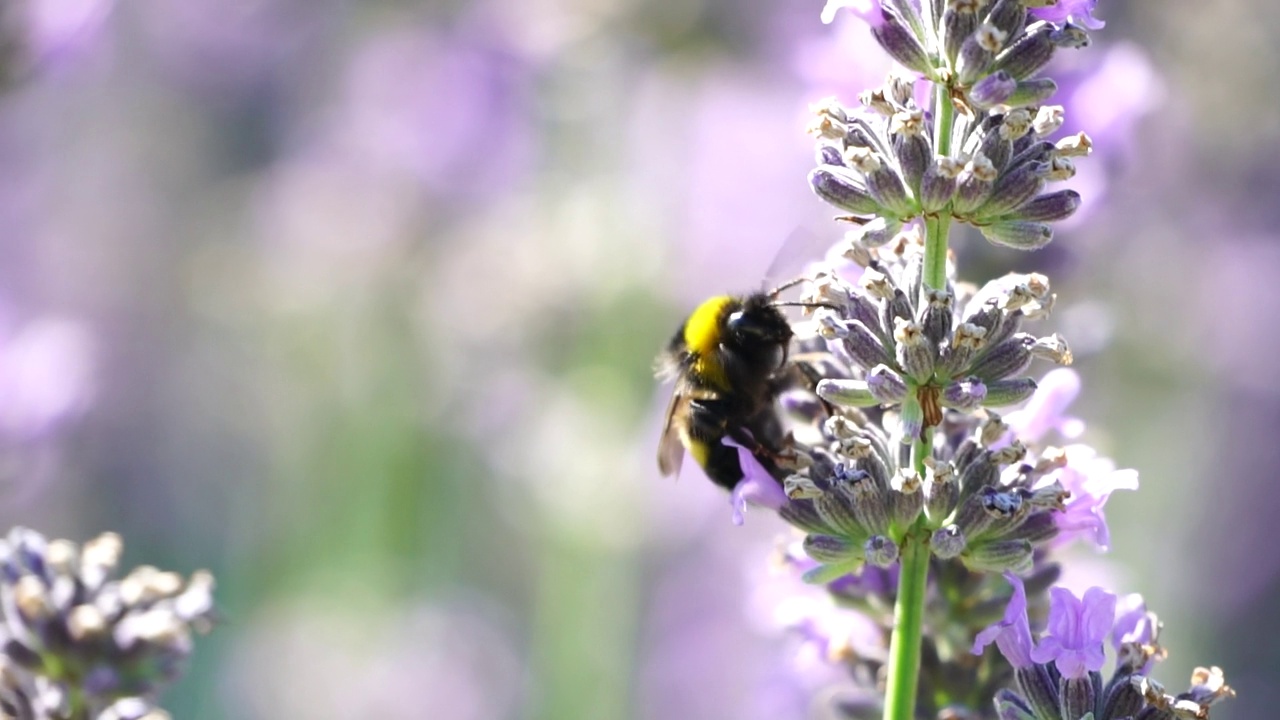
938	227
936	230
908	611
944	117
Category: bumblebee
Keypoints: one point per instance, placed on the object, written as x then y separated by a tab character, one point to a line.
728	359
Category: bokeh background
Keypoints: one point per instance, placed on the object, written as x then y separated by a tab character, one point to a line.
355	304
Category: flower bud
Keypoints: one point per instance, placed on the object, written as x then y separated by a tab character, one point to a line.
1058	205
1014	188
1028	53
886	386
964	395
1032	92
947	542
842	187
914	351
1007	358
881	551
938	185
902	45
829	155
973	186
1008	15
829	549
940	489
992	90
888	189
911	146
1008	392
1018	235
864	347
959	21
999	556
937	315
977	52
847	393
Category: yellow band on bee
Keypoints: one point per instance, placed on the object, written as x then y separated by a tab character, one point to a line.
702	331
702	338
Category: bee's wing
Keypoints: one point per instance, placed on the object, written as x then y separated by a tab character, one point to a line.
670	446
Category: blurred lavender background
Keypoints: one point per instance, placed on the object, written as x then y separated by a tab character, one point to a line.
355	304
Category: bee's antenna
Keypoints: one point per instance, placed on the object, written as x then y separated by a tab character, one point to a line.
786	285
829	306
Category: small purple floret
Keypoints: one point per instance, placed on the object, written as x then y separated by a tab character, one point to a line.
1077	630
1046	410
1012	633
757	486
867	10
1080	11
1090	480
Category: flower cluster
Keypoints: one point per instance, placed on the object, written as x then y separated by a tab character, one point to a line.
918	504
1060	677
81	642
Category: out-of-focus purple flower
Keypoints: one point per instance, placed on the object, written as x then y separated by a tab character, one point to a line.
1078	11
58	28
727	217
228	46
45	377
868	10
757	486
1105	94
842	61
1045	412
1012	633
449	107
1077	629
1090	479
1133	622
438	661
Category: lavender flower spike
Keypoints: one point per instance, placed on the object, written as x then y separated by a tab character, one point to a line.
1012	633
1077	630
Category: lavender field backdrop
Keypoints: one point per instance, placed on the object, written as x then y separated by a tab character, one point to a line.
355	304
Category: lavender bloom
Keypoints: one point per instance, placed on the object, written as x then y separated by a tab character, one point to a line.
45	377
1090	480
80	641
35	34
1012	634
757	486
1079	11
1046	410
1077	629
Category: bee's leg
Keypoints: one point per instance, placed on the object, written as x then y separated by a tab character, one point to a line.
707	425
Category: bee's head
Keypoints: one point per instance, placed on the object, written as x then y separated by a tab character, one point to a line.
759	331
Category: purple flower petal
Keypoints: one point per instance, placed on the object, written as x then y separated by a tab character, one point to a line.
1046	410
868	10
1090	480
1133	623
1080	11
1012	633
757	486
1077	629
